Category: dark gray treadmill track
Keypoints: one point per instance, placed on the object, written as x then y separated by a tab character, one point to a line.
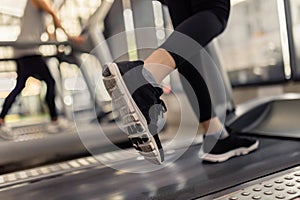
52	148
188	178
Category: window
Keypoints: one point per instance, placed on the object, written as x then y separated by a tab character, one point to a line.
251	44
295	13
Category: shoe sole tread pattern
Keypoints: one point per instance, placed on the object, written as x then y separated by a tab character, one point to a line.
233	153
132	120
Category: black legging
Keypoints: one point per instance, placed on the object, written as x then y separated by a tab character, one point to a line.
201	20
34	66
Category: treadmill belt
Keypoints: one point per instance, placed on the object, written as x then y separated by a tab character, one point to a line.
187	178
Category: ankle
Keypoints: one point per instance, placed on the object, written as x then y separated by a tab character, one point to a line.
1	121
160	64
162	57
214	127
221	134
54	119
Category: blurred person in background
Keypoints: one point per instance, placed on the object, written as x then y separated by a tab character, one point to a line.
29	60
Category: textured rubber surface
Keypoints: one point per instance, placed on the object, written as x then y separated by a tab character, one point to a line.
286	186
132	121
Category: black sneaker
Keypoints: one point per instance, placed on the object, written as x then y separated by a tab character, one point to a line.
214	150
138	105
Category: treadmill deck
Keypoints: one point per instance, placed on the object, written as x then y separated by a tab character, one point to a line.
187	178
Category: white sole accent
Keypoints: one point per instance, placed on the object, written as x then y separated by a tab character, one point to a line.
134	116
225	156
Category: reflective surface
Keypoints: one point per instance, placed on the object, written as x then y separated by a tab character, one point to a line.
251	44
295	12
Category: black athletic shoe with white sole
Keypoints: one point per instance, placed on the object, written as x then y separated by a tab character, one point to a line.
214	150
139	106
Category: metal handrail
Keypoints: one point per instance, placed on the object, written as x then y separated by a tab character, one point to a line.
24	45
